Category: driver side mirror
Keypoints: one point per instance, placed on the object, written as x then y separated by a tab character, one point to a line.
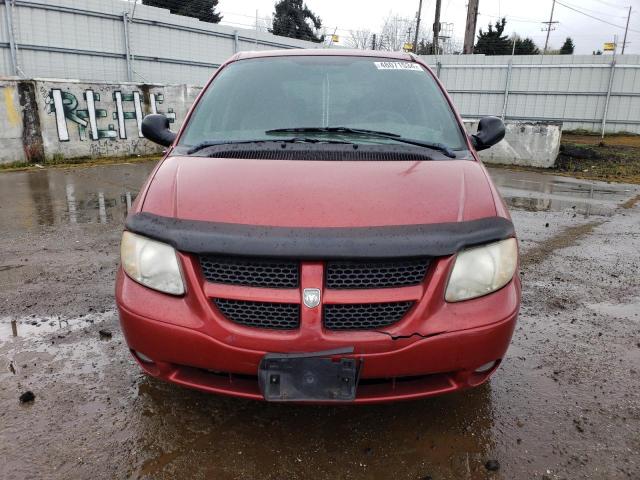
155	127
490	131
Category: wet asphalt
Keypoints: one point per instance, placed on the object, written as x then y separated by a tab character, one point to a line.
563	405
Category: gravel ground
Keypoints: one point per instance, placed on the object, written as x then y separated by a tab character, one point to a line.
563	405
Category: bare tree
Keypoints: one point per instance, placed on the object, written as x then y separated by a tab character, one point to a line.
396	31
265	24
359	39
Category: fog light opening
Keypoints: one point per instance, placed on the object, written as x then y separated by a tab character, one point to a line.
144	358
487	367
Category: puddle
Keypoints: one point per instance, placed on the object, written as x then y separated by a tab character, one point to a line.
104	195
549	193
98	195
536	204
31	326
627	311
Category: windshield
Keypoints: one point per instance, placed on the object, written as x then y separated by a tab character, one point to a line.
250	98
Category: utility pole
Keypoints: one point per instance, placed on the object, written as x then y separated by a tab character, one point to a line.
470	30
549	25
256	27
624	42
436	27
415	43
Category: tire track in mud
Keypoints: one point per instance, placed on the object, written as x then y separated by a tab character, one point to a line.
630	203
566	238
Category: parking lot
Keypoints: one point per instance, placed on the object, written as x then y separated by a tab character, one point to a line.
564	403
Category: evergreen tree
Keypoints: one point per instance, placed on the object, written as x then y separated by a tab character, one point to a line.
493	42
526	47
424	47
568	47
203	10
291	19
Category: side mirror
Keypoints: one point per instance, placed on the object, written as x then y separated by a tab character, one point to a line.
155	127
490	131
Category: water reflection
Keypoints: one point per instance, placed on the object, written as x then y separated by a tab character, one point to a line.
539	192
105	194
444	437
100	195
536	204
71	203
31	326
41	195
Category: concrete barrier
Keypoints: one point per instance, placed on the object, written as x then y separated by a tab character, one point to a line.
525	143
11	124
45	120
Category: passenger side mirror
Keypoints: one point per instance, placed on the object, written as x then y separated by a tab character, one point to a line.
155	127
490	131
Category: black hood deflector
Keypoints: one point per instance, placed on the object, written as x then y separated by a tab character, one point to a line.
432	240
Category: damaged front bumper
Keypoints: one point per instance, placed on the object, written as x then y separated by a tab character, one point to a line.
179	346
433	347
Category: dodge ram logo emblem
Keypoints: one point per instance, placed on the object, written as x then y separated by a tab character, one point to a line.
311	297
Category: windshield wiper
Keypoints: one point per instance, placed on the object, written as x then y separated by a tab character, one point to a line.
215	143
357	131
441	147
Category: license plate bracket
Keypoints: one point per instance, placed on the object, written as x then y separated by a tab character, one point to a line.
317	376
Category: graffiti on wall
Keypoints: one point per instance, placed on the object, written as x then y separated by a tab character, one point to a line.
99	118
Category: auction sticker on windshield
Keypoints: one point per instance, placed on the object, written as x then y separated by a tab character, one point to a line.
397	66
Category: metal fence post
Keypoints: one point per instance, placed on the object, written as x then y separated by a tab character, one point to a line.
236	45
125	19
507	86
438	68
13	48
606	103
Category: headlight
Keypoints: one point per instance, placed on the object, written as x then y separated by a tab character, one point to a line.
151	263
482	270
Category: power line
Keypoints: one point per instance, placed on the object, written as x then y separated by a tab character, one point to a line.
510	18
594	11
595	18
610	4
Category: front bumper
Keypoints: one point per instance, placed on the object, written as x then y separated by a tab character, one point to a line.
436	350
427	367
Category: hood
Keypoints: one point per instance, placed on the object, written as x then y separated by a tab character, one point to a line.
319	193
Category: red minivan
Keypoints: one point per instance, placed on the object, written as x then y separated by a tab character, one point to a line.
320	230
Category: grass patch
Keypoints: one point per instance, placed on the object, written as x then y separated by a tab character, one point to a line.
58	161
616	158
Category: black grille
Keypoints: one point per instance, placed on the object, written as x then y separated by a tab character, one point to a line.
353	155
251	272
364	316
345	274
277	316
327	152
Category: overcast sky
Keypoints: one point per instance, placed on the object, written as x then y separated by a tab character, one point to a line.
523	17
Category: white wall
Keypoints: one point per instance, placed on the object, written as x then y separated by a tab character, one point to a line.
85	39
571	89
64	119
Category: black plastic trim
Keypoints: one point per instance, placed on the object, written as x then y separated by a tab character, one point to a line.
434	240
